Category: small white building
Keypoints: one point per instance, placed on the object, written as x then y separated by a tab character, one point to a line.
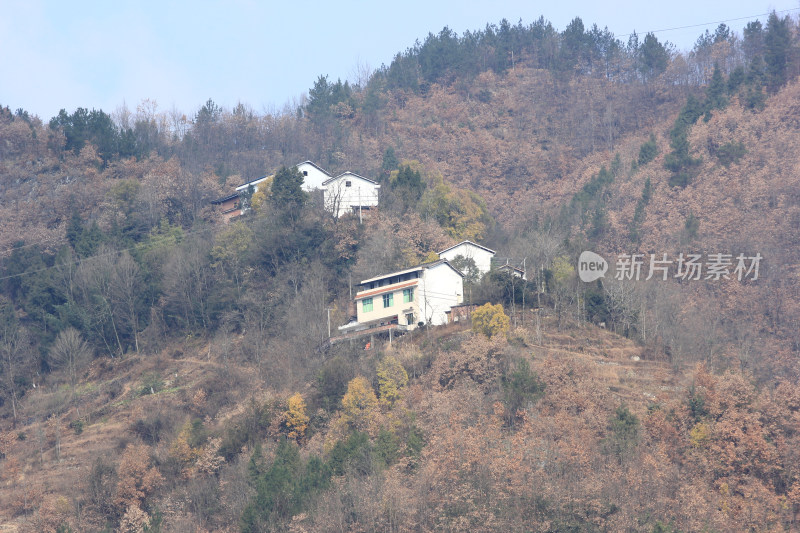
469	250
252	183
422	294
313	176
513	271
349	193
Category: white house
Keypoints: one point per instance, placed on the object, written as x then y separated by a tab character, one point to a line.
313	175
253	183
469	250
422	294
349	193
512	270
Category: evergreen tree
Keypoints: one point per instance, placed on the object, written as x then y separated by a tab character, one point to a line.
777	42
716	93
407	185
653	57
648	151
287	195
389	163
83	126
573	45
638	214
521	387
753	41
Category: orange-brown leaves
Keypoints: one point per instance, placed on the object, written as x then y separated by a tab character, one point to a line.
137	477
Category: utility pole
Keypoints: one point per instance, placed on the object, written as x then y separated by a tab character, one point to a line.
524	288
329	309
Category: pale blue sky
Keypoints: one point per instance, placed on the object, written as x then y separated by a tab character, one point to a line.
98	54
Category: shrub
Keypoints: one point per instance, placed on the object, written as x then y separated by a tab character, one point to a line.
730	153
624	433
246	430
296	419
76	426
136	477
282	489
392	377
150	428
520	388
387	447
691	226
490	320
332	381
359	404
151	383
352	455
648	151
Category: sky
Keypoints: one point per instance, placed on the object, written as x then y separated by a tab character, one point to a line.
105	54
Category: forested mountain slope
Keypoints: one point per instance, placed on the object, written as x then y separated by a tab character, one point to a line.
161	370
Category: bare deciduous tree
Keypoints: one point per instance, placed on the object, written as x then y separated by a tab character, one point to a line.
622	302
94	282
126	290
187	281
71	353
14	356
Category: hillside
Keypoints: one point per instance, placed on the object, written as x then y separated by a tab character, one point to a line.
116	409
604	414
162	370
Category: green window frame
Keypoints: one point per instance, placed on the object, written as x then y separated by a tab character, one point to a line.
366	305
408	295
388	299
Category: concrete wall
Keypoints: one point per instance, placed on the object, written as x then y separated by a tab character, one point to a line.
482	258
341	198
441	287
312	176
398	307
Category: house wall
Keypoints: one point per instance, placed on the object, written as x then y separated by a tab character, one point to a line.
441	287
482	258
229	209
513	271
461	313
341	199
255	184
312	176
398	307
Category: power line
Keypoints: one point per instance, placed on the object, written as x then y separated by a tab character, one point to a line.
23	246
717	22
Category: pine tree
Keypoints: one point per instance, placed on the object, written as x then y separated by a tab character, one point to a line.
648	151
778	43
287	194
716	93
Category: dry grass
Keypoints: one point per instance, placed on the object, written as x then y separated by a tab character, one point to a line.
191	380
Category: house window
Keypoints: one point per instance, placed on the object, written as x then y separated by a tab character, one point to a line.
348	183
388	299
410	319
366	305
408	295
305	173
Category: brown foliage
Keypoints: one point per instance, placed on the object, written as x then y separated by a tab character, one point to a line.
479	360
136	477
